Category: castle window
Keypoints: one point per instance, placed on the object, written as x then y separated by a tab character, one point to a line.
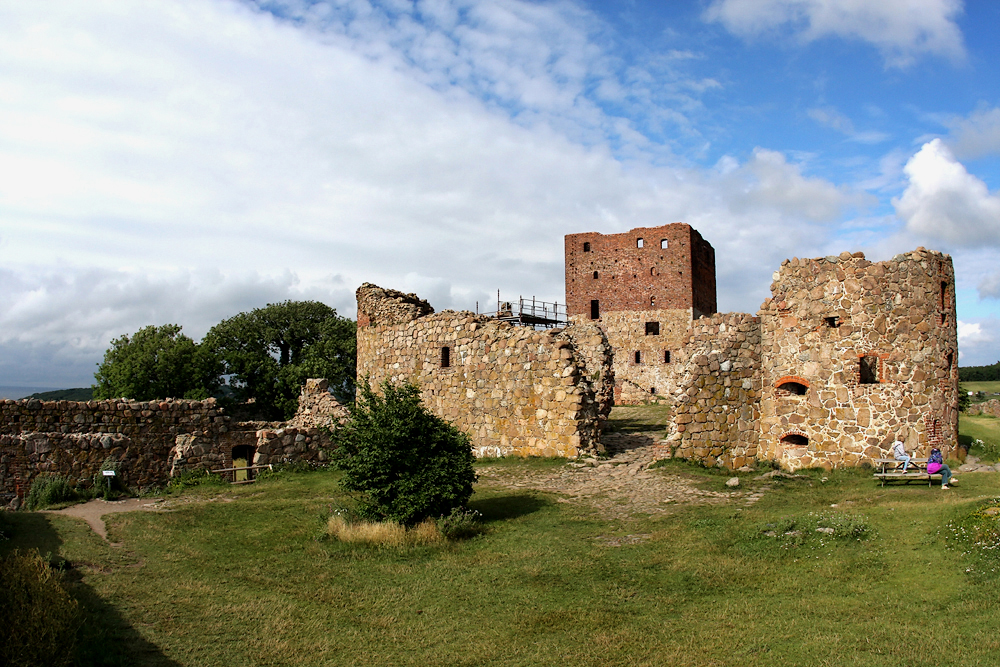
663	244
652	271
795	440
595	275
638	243
666	356
652	390
638	357
652	328
595	309
652	302
868	369
792	389
586	246
832	322
950	358
445	357
944	302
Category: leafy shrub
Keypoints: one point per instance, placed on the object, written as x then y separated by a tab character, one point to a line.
406	463
48	490
108	487
191	478
40	618
460	524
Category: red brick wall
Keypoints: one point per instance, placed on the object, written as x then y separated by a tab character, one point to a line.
680	276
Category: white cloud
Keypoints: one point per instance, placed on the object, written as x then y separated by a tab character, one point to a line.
830	117
180	162
977	135
943	201
989	286
902	30
977	342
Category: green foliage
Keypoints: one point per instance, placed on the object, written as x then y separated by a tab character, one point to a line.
40	618
76	394
989	373
157	362
271	351
108	487
407	463
964	400
460	524
48	490
192	478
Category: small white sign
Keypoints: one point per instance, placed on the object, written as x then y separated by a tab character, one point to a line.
108	473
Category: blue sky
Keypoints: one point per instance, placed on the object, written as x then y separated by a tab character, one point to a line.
183	161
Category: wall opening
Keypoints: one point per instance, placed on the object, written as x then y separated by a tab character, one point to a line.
944	302
795	440
652	302
595	275
652	271
638	357
868	369
586	246
595	309
832	322
445	357
663	244
242	458
950	359
652	328
638	243
792	389
666	356
652	390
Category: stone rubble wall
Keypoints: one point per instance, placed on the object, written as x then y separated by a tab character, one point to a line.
716	392
900	314
989	408
514	390
152	441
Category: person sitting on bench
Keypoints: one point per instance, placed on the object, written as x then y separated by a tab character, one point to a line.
899	453
936	464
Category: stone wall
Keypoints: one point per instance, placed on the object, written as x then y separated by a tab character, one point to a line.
716	390
990	408
857	354
514	390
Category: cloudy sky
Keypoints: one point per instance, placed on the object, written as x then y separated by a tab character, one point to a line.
181	161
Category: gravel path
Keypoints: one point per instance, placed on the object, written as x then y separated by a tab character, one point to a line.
92	511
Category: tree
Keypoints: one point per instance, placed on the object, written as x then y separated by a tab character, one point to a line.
270	352
155	363
406	463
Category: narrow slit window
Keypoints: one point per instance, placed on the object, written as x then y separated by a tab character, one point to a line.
586	246
652	271
595	309
663	244
638	357
868	369
595	275
652	390
445	357
638	243
666	356
652	302
652	328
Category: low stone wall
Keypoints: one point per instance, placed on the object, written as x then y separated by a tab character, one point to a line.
990	408
716	394
514	390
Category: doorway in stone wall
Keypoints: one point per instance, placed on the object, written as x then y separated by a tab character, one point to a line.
242	458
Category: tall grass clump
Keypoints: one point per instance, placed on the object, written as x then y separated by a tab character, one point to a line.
40	619
48	490
405	463
383	533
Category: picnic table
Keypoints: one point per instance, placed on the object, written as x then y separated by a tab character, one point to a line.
891	470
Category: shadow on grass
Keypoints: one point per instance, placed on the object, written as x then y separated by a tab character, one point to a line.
500	508
105	637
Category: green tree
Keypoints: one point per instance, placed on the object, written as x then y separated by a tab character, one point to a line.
157	362
964	401
270	352
406	463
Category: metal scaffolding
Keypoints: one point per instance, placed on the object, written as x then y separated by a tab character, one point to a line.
531	312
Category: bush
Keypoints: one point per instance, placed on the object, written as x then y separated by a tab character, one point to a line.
40	618
108	487
198	477
406	463
460	524
48	490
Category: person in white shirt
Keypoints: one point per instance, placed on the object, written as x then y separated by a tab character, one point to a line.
899	453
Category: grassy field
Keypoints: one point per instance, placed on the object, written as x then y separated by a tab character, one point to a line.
236	576
989	388
986	429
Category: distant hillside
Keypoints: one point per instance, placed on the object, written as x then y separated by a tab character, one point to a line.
78	394
979	373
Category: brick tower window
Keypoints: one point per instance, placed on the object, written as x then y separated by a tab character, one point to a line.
868	369
595	309
666	356
663	244
586	246
638	357
445	357
652	302
652	328
638	243
595	275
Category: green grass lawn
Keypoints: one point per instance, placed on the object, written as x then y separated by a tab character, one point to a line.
989	388
983	428
237	577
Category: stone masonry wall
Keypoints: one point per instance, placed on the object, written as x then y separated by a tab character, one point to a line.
716	392
855	355
990	408
513	389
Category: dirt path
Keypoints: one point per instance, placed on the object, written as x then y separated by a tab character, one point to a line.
92	511
618	487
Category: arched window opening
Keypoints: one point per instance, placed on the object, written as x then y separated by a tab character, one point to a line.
791	388
445	357
638	243
795	440
663	244
586	246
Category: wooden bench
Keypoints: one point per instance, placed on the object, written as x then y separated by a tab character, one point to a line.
891	470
